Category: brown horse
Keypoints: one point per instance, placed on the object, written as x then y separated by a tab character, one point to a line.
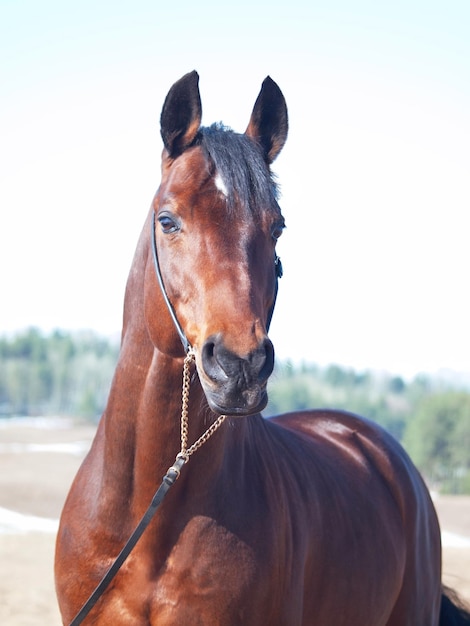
316	518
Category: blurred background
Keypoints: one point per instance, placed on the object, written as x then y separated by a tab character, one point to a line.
373	308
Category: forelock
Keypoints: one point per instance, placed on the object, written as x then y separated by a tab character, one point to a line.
238	161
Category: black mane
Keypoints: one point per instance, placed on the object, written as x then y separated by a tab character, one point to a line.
240	164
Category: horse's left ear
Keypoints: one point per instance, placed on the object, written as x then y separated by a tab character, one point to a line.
268	123
181	114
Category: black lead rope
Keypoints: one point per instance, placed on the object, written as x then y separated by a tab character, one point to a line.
168	481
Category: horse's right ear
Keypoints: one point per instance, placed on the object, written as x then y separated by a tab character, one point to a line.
181	114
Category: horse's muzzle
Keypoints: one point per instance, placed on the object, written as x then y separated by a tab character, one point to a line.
236	385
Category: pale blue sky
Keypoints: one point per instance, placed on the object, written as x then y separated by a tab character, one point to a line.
374	177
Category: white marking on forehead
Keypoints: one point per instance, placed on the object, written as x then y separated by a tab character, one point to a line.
219	183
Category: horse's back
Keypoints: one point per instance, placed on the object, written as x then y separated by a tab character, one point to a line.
346	438
363	475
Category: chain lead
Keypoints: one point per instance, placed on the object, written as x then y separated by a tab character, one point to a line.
186	452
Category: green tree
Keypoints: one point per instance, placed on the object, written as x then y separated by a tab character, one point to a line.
438	437
58	374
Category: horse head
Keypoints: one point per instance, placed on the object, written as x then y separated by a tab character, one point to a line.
216	223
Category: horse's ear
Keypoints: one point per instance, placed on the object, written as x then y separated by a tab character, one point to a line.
268	123
181	114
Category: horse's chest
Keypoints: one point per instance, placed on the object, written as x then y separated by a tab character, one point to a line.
206	579
209	578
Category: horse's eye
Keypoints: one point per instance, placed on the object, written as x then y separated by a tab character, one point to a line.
277	231
168	224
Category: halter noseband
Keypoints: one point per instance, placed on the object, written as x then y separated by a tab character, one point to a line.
184	340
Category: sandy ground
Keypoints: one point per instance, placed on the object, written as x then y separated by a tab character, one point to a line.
34	481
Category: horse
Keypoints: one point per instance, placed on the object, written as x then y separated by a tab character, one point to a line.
310	518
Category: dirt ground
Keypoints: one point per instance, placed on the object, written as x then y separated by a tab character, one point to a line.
34	481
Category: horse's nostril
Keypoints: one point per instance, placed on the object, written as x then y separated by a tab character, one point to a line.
267	366
209	360
209	349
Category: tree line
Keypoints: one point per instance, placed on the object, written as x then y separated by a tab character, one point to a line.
56	374
69	374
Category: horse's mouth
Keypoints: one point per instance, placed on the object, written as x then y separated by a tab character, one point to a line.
238	403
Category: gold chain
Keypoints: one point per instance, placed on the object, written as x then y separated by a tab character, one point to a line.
185	451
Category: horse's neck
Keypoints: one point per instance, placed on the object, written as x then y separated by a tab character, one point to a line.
141	424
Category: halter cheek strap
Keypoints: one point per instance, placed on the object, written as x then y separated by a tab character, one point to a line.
184	340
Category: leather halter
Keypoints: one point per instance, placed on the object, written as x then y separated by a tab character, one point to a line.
184	340
181	458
